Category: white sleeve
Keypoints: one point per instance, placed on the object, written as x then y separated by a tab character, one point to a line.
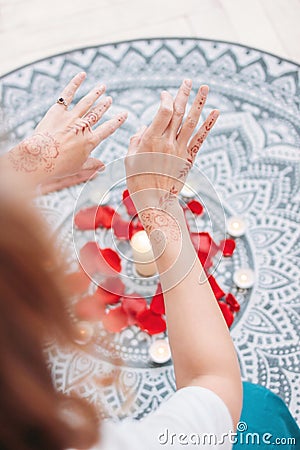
193	417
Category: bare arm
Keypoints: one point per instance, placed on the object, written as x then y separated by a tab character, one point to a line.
203	352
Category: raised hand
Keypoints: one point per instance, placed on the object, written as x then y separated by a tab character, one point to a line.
160	156
64	139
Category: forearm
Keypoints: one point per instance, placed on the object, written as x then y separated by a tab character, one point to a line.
202	349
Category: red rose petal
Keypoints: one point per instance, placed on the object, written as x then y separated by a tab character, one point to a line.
228	316
195	207
128	203
150	322
105	216
115	320
219	293
120	227
94	259
89	308
77	282
232	302
133	305
85	219
110	291
157	304
227	247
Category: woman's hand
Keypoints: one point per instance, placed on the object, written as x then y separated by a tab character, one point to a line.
160	156
64	139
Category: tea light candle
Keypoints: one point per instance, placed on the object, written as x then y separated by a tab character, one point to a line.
85	332
187	192
236	226
142	254
160	351
244	278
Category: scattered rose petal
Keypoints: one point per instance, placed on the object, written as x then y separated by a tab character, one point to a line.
195	207
77	282
227	247
232	302
128	203
120	227
94	259
228	316
133	305
150	322
89	308
115	320
85	219
105	216
219	293
110	291
157	304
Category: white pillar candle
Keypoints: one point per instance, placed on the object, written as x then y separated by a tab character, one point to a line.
142	254
187	192
236	226
160	351
244	278
85	332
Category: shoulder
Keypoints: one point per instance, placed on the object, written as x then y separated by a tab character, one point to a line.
180	421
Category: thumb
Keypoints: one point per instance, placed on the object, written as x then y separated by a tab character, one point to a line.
93	164
136	138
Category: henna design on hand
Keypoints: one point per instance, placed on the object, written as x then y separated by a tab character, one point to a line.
158	220
36	152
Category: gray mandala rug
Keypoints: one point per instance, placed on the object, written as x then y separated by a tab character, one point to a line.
251	158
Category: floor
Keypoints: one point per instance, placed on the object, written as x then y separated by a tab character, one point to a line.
34	29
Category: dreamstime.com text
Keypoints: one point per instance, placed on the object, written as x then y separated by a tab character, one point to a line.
242	436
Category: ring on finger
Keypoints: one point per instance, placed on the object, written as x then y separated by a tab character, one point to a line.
62	101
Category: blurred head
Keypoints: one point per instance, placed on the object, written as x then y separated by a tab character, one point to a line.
33	415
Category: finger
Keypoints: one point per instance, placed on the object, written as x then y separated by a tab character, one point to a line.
163	116
70	90
95	114
202	134
179	106
88	100
109	127
93	164
192	119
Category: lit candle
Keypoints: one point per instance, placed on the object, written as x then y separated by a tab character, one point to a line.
99	196
160	351
85	332
142	254
244	278
236	226
187	192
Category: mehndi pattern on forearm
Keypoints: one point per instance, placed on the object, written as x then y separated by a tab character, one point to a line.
35	153
156	220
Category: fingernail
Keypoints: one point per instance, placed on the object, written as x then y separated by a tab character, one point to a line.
215	113
102	168
82	74
204	90
101	89
123	115
188	82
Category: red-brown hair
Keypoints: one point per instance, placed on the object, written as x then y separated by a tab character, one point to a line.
33	415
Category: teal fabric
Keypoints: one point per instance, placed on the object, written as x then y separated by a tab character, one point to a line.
266	422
